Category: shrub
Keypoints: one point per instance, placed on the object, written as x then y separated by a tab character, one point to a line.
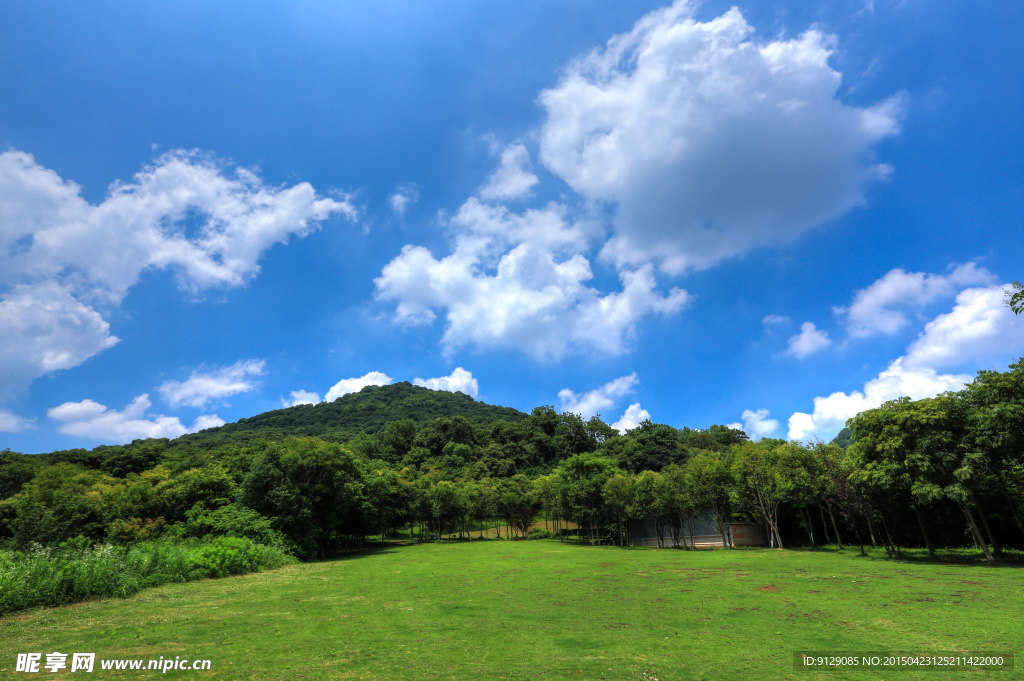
538	533
131	530
226	556
76	571
231	521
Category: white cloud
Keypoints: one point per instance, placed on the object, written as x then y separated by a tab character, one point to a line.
512	179
808	341
595	401
301	397
756	423
774	319
12	423
92	420
45	329
206	421
709	142
880	308
186	211
831	413
201	388
460	380
404	196
528	298
978	330
631	418
353	385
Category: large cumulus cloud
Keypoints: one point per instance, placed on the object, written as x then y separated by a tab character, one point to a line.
708	141
64	260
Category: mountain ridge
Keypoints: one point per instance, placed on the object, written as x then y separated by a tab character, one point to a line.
366	411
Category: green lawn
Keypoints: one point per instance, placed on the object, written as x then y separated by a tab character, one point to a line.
540	610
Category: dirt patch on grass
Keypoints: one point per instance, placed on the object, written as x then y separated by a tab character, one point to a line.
770	587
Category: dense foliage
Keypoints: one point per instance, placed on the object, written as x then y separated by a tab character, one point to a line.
942	471
369	410
76	571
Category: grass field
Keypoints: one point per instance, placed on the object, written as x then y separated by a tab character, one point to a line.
540	610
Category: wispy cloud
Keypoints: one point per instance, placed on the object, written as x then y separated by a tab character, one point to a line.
203	387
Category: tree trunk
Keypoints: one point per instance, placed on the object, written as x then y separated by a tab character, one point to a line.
1010	501
871	529
975	531
775	526
824	525
988	531
889	537
839	537
924	531
805	514
721	527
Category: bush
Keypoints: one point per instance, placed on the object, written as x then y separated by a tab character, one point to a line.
76	571
131	530
226	556
538	533
231	521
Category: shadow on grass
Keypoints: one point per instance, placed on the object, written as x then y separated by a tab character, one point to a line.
952	556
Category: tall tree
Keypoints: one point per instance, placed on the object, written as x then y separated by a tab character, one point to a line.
581	481
312	488
995	428
767	474
711	484
884	456
519	501
618	495
931	434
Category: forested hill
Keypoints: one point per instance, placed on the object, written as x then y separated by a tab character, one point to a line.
367	411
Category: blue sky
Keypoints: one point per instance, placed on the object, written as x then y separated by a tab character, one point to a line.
773	215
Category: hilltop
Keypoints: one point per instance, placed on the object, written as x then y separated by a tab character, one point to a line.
367	411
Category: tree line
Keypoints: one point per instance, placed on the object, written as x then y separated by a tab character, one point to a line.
942	471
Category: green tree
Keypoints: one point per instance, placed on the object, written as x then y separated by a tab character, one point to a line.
313	489
140	456
648	447
581	481
767	474
995	428
708	477
883	454
397	439
58	504
386	498
618	495
649	501
211	487
519	502
678	502
15	470
930	435
447	504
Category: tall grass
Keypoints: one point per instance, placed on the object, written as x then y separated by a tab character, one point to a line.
75	572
